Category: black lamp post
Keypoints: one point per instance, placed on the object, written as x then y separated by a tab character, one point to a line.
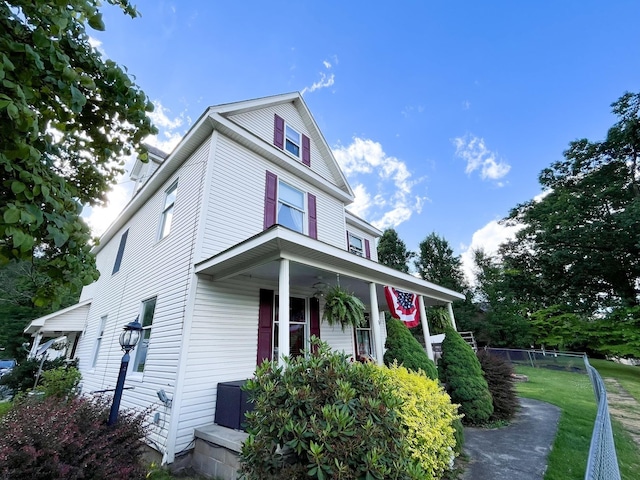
128	340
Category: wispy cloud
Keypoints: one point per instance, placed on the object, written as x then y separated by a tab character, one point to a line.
473	150
170	133
391	200
327	79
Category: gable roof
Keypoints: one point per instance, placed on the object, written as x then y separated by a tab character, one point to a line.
215	118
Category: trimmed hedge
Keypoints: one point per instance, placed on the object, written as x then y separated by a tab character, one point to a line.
460	371
404	349
497	372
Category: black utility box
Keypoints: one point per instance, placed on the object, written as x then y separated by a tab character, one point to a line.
231	405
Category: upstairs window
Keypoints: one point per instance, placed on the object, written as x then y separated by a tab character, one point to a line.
356	245
123	243
148	311
167	211
290	207
292	141
96	351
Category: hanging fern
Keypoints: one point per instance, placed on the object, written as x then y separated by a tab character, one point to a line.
342	307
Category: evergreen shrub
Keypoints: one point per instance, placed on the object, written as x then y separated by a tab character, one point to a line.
497	373
404	349
50	439
427	416
461	373
324	417
23	375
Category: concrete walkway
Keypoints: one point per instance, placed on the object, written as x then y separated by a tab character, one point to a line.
516	452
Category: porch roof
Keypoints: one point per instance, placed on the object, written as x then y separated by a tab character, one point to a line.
311	260
70	319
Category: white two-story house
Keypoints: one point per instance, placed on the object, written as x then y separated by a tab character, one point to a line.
224	253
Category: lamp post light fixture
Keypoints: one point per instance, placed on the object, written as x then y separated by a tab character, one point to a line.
128	340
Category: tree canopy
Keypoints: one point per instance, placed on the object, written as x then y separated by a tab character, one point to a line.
393	252
581	242
69	117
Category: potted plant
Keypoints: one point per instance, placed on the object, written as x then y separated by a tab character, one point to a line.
342	307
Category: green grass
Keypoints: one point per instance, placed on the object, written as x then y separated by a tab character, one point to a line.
4	408
573	393
628	376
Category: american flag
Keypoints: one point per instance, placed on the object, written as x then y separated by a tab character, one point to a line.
403	306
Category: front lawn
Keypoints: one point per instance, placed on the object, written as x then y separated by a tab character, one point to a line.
573	393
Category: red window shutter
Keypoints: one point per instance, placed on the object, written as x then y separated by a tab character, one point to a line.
265	325
306	151
367	248
314	325
270	199
278	131
313	219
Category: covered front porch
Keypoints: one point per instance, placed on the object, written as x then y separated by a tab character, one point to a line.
289	261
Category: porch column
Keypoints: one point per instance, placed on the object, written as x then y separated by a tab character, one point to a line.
283	311
453	319
374	319
425	328
36	344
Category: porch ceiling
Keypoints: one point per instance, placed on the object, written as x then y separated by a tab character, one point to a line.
71	319
313	261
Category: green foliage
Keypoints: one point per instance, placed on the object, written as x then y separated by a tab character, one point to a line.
617	334
436	263
556	327
343	308
427	416
69	117
23	376
323	417
392	251
50	439
580	242
60	382
460	371
498	374
404	349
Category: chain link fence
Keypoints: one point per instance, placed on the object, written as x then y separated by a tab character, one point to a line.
602	463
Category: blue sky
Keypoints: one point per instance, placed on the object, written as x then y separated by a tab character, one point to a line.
442	113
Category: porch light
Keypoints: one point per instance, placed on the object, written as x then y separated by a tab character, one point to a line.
128	340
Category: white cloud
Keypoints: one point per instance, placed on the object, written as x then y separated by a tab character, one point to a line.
97	44
325	81
326	64
473	150
160	117
488	238
364	161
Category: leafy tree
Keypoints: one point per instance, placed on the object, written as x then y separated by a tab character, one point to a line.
393	252
581	242
68	118
503	321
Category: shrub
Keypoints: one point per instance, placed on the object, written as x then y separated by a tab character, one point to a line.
403	348
498	373
324	417
427	415
460	371
60	382
23	375
47	439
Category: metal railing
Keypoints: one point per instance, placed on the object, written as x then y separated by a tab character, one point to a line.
602	462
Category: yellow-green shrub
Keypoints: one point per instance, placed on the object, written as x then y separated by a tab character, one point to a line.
427	415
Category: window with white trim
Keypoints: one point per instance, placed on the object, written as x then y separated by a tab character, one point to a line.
96	350
148	311
167	211
364	341
298	330
356	245
291	207
292	140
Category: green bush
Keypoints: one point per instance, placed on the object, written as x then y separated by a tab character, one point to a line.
403	348
427	416
461	373
324	417
497	373
23	375
60	382
50	439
